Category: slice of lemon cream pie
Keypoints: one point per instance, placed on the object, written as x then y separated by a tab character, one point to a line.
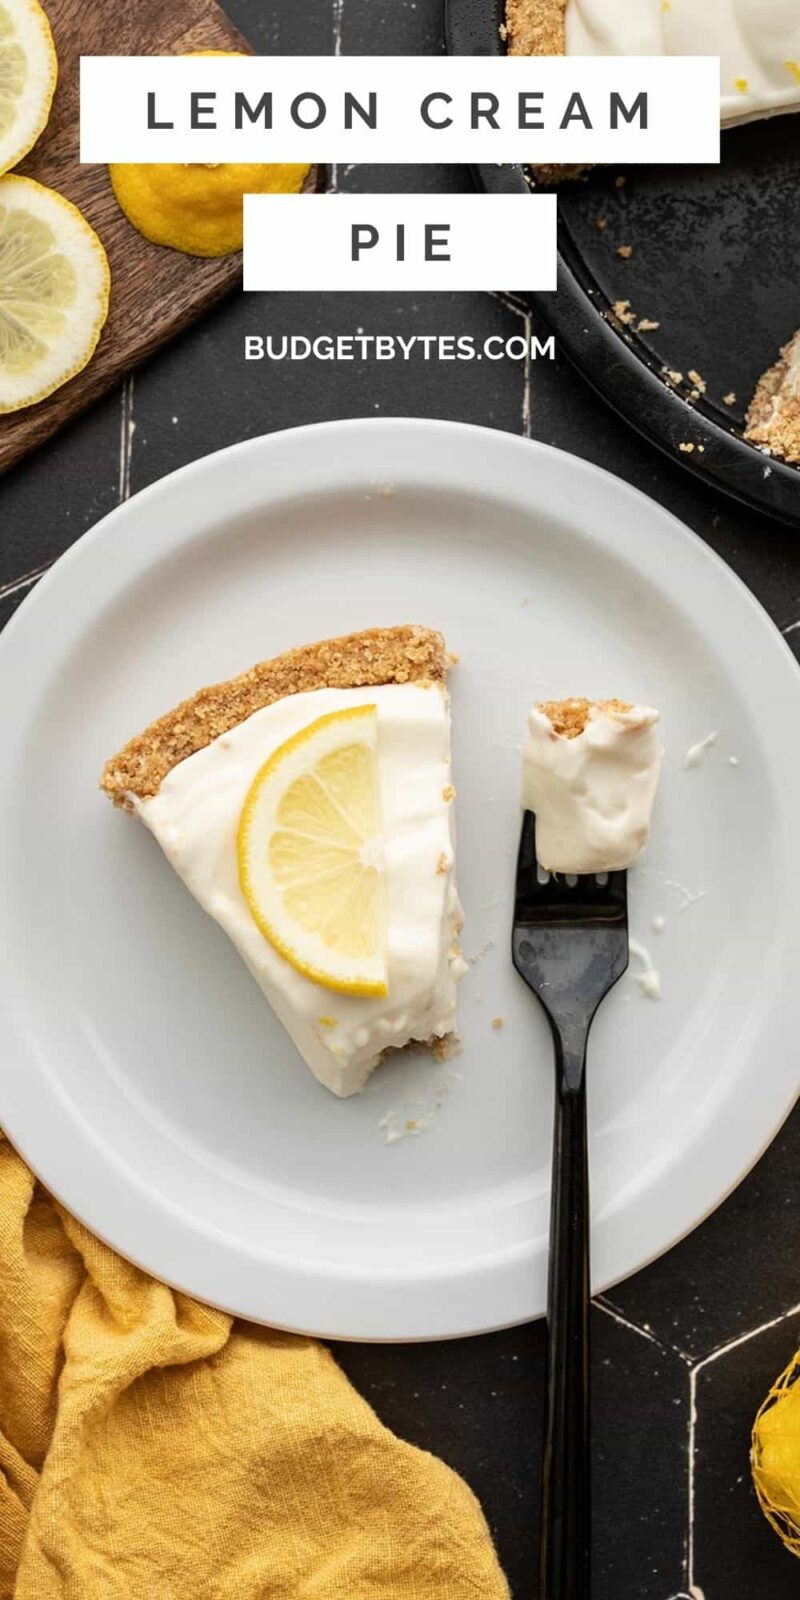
758	42
773	417
308	806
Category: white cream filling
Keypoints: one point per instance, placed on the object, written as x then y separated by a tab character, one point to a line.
592	795
195	818
758	42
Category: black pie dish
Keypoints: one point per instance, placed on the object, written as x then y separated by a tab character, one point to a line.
715	261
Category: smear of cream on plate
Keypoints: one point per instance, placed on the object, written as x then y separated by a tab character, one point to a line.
404	1122
415	1116
696	754
649	979
689	898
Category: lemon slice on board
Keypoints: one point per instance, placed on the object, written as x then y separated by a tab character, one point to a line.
28	72
54	287
310	852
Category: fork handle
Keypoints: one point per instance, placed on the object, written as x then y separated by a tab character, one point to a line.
566	1501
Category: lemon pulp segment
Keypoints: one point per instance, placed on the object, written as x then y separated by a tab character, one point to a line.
310	853
54	288
28	73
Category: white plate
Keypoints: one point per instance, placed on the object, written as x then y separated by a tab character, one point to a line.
142	1074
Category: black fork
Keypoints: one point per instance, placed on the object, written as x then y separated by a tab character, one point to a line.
570	944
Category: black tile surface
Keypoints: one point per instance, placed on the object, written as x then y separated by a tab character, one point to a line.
723	1561
201	394
684	1351
49	501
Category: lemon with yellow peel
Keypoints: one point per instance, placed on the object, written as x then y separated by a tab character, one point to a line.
776	1456
28	73
54	289
310	853
198	208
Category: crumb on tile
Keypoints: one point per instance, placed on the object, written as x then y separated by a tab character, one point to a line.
448	792
697	380
647	325
686	447
625	251
729	399
621	309
673	375
497	1022
601	223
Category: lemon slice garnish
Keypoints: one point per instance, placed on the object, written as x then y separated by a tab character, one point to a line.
310	852
54	285
28	73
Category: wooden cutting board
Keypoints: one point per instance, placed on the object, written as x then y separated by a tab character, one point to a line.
154	292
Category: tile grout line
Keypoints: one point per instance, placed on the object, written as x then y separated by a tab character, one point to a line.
27	580
338	26
691	1592
707	1361
521	311
338	30
691	1443
605	1305
527	392
127	428
744	1338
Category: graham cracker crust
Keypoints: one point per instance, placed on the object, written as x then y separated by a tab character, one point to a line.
536	27
405	654
569	717
773	416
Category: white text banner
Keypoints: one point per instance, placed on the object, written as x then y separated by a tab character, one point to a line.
410	109
399	241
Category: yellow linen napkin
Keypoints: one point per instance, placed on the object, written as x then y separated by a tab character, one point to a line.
154	1449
